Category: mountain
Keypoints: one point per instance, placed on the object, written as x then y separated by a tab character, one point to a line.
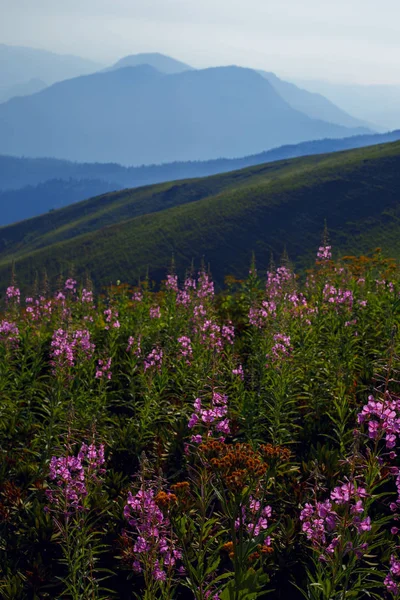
312	104
19	64
32	186
161	62
379	104
137	115
23	89
30	201
220	219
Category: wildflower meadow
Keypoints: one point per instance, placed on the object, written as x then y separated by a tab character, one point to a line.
183	442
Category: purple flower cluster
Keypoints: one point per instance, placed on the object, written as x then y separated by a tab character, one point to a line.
172	283
67	346
321	522
154	360
393	577
278	281
13	293
38	308
9	333
111	317
186	350
214	418
134	342
324	253
184	297
155	312
103	369
205	287
337	296
72	475
70	285
383	419
137	296
87	297
212	336
281	348
259	316
239	372
254	519
152	534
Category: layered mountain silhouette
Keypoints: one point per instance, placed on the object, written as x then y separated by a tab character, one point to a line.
220	220
137	115
32	186
23	89
378	104
312	104
161	62
19	65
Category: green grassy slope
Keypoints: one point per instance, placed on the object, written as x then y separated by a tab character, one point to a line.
221	219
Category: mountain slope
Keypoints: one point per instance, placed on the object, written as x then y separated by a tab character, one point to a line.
23	89
312	104
16	172
378	104
19	64
161	62
30	201
45	184
137	115
221	219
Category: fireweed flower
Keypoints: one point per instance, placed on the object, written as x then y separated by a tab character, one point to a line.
155	547
87	297
72	476
322	522
103	369
186	350
205	287
324	253
155	312
67	347
214	419
392	579
279	282
211	335
70	285
13	294
137	296
135	344
382	418
154	360
281	349
9	333
111	317
254	519
239	372
172	283
337	296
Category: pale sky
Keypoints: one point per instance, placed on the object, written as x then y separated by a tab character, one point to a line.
339	40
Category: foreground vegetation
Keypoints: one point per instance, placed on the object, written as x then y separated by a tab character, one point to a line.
184	444
219	219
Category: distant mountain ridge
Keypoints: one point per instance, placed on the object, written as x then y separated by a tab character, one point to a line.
136	115
19	65
379	104
220	219
23	89
161	62
312	104
34	186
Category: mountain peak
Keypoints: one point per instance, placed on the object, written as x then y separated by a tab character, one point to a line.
163	63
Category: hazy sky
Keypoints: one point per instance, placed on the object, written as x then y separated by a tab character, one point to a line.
340	40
